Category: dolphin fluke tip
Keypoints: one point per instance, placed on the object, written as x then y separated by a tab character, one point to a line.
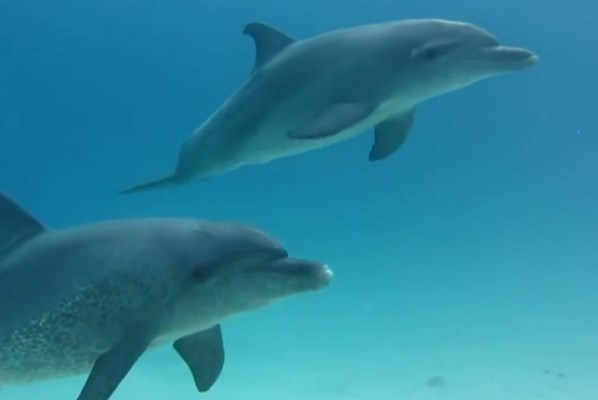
152	185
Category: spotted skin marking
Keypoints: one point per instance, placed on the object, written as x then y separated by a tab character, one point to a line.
67	340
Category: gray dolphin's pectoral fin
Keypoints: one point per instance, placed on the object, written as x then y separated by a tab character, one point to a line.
111	367
333	120
389	135
16	225
268	42
203	352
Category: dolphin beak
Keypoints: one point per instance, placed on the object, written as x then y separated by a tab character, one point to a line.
315	274
510	58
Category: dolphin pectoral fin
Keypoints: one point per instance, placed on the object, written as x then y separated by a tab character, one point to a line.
389	135
16	225
333	120
111	367
203	352
268	42
155	184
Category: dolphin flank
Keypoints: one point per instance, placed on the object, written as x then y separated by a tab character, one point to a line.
303	95
92	298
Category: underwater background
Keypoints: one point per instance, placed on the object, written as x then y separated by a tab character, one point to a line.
466	265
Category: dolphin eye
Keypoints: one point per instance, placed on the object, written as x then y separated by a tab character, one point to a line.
202	273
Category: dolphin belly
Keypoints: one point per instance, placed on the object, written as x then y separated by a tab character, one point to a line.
272	142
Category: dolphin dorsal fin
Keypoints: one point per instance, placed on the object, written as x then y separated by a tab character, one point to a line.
16	225
268	42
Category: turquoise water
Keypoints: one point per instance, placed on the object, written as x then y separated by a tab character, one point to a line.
469	255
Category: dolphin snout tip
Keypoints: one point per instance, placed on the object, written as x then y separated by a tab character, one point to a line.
528	57
326	274
533	59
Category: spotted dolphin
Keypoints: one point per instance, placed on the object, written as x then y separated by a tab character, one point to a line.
306	94
91	299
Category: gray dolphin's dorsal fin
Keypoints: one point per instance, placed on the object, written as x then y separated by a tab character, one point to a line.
389	135
268	42
16	225
203	352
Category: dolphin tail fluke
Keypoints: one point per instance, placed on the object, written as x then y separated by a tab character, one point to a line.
155	184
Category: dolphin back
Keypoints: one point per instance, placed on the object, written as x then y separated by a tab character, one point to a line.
17	226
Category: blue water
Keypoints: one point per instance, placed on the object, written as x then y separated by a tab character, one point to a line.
471	254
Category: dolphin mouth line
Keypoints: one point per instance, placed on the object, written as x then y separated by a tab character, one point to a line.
285	265
532	58
506	56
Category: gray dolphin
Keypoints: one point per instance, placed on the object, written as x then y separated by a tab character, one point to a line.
304	95
93	298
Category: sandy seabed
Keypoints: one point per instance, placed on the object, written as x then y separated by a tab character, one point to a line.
466	372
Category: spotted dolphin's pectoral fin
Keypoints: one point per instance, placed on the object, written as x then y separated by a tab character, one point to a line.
16	225
268	42
389	135
203	352
111	367
333	120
